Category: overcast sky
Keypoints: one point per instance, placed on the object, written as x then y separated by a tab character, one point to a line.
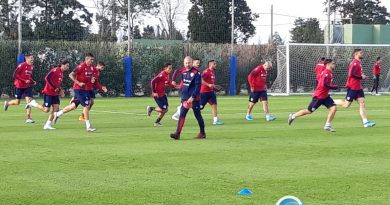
285	12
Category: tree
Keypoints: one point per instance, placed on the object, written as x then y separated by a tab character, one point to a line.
361	11
149	32
9	22
137	33
210	21
169	10
307	31
138	8
58	19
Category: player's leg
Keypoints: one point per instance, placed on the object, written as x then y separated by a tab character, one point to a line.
28	97
50	119
329	103
376	84
176	115
314	104
363	112
16	101
199	118
346	103
264	101
74	103
253	99
92	96
180	123
47	102
162	108
214	109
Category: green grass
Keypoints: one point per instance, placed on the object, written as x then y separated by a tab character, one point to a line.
128	161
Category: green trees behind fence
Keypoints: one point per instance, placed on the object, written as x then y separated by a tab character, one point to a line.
147	61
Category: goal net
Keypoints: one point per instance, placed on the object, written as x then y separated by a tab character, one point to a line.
296	66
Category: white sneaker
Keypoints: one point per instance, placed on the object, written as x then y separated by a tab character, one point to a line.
176	116
91	129
329	129
378	94
29	120
48	127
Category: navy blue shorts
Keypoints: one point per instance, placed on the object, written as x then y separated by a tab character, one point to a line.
316	103
255	96
208	97
48	100
81	97
92	94
162	102
354	94
23	92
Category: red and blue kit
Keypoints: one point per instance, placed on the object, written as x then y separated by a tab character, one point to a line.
158	85
321	94
23	73
257	80
53	81
354	75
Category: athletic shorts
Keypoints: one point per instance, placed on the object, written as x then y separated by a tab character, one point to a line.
48	100
354	94
92	94
316	103
23	92
162	102
82	97
208	97
255	96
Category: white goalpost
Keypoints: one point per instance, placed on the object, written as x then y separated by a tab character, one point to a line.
296	64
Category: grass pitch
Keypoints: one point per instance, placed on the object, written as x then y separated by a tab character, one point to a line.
128	161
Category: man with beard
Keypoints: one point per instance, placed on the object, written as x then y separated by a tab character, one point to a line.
355	89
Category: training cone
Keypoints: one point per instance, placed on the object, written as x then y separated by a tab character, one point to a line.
245	192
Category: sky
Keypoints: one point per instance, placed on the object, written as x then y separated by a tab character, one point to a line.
285	12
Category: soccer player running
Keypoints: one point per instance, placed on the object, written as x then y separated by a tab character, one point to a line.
23	82
190	97
158	85
258	84
355	89
83	78
96	78
51	93
321	97
319	68
207	94
196	64
376	71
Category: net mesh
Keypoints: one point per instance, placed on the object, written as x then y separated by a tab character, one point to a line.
302	59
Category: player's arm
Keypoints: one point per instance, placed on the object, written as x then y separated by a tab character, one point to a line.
99	86
72	76
353	74
329	85
204	82
18	74
198	84
49	78
174	76
153	85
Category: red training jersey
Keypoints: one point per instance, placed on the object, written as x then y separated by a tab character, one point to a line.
354	80
258	79
53	81
324	85
319	68
160	82
208	76
84	74
23	73
179	72
377	68
96	76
